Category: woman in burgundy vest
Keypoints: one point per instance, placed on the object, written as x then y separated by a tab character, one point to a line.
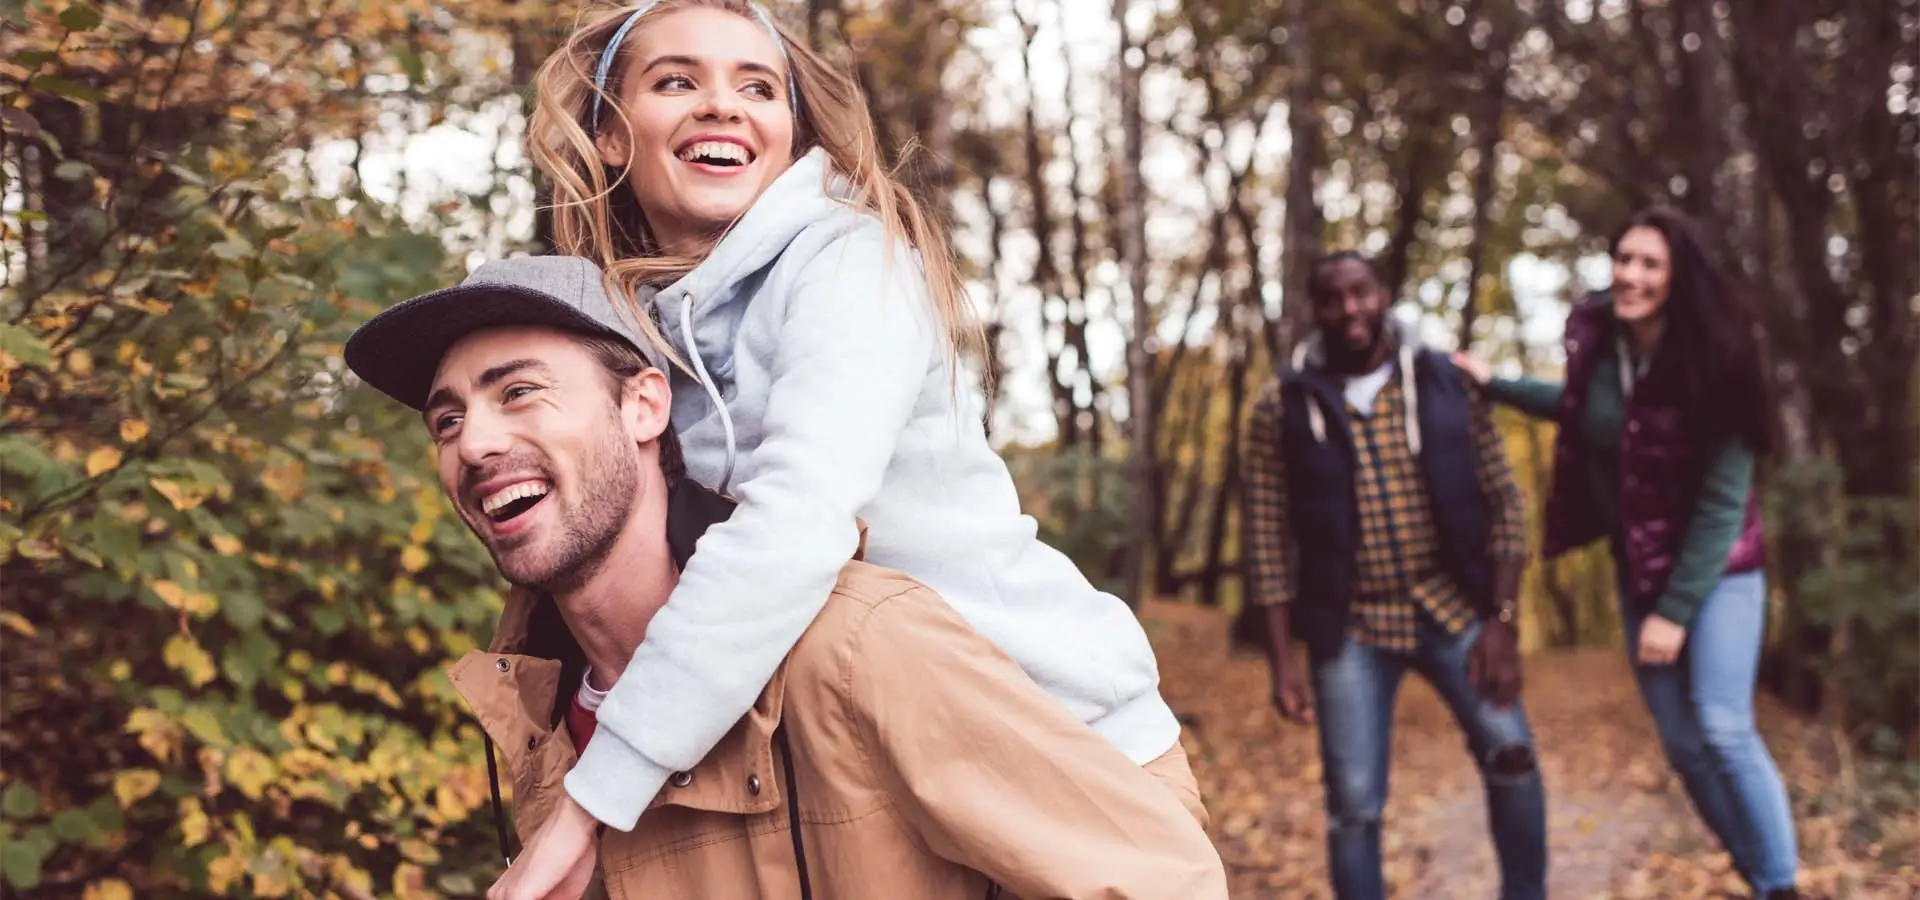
1662	417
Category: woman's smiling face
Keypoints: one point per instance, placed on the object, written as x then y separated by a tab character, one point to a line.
704	124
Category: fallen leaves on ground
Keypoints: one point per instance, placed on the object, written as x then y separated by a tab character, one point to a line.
1619	825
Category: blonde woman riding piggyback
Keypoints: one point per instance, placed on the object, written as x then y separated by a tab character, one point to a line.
729	181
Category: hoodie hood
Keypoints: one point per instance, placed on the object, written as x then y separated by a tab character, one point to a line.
1311	354
700	313
1311	351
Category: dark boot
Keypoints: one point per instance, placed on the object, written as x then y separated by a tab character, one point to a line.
1782	894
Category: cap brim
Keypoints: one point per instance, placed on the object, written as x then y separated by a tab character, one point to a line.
399	350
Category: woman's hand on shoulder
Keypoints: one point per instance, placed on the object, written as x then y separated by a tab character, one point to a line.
1475	368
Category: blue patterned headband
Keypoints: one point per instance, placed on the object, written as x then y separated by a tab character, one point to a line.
612	52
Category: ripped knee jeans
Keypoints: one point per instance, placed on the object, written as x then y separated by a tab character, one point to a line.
1354	693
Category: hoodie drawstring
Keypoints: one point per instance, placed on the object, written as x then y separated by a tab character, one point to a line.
713	392
1412	396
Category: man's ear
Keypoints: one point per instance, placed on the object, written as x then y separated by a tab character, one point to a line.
646	405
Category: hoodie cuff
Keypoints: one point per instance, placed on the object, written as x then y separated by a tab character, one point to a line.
613	781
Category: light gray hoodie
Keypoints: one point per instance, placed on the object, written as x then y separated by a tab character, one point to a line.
824	393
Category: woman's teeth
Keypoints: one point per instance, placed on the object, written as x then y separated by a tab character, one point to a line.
716	152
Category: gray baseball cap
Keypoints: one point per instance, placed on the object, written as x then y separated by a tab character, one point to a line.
399	350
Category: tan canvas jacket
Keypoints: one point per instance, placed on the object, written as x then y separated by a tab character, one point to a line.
924	765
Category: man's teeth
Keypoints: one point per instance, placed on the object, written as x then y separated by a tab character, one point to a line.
715	150
492	503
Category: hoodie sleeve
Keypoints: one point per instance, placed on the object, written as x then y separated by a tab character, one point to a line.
853	352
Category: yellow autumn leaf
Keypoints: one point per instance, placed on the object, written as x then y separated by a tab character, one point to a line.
251	771
133	785
414	558
223	872
156	733
180	495
102	460
189	658
18	624
172	594
226	545
132	430
286	481
80	363
110	889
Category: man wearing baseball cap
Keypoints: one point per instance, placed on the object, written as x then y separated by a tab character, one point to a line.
895	753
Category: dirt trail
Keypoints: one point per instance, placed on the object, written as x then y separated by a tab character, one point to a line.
1619	825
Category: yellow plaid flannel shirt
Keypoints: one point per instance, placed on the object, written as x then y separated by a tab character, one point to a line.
1399	569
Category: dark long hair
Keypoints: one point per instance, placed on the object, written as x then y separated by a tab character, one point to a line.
1711	354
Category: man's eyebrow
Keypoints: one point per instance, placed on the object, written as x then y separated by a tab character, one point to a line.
690	62
487	379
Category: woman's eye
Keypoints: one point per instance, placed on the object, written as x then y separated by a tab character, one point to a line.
761	89
674	83
517	391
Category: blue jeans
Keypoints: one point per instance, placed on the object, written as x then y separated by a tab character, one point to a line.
1354	695
1703	708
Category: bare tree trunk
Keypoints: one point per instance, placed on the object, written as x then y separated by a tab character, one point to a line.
1303	221
1133	251
1081	265
1046	264
1229	477
1487	145
996	364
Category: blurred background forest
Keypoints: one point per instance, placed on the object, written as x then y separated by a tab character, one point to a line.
229	580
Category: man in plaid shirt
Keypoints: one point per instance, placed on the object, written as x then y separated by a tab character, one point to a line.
1385	530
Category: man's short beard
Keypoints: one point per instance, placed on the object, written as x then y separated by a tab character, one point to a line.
1341	357
588	535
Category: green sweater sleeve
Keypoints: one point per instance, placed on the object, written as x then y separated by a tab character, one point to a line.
1711	532
1540	399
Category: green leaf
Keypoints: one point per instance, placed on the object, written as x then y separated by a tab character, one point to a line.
79	17
32	59
231	250
68	88
202	725
20	862
73	826
24	345
19	801
72	170
412	64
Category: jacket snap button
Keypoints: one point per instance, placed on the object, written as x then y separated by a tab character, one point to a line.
500	664
682	779
753	785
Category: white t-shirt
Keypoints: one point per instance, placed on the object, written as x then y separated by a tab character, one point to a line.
1362	389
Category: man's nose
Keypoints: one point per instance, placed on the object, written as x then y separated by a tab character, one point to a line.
482	437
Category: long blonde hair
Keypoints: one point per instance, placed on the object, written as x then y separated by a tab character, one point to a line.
594	216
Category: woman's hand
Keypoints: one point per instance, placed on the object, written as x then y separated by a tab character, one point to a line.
1475	369
1661	640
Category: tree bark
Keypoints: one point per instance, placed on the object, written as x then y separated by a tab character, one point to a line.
1140	344
1303	221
